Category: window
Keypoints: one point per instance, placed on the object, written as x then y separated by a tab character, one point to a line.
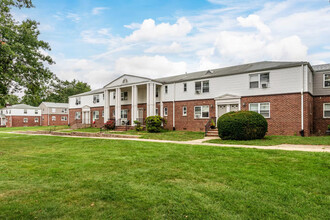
78	100
165	111
25	111
123	113
125	81
102	114
114	113
53	118
64	110
259	80
261	108
114	95
25	120
184	111
36	120
326	79
78	114
202	86
166	89
157	92
53	110
96	99
185	87
326	110
156	111
64	118
124	96
36	112
96	115
43	118
202	111
103	96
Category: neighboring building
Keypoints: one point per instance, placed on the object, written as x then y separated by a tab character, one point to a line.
54	113
292	96
20	115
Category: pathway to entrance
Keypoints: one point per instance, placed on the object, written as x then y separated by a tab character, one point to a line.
289	147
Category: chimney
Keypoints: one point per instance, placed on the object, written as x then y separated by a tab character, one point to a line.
8	105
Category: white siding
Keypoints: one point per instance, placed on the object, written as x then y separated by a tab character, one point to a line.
287	80
20	112
86	100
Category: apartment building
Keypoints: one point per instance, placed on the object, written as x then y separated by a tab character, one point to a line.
292	96
20	115
54	113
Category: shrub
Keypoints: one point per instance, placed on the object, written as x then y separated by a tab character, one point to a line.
242	125
154	123
328	127
138	126
110	125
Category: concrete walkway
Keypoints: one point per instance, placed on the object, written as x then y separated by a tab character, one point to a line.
288	147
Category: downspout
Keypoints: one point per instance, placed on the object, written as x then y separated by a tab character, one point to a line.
48	116
302	103
174	108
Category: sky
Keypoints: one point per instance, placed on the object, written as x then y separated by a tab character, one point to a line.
96	41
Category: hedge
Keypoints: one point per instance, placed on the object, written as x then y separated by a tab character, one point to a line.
242	125
154	123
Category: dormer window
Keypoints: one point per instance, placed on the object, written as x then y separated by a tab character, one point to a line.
326	80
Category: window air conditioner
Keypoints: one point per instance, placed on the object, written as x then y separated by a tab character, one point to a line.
198	91
264	85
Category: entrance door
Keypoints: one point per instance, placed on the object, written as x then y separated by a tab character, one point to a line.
86	117
124	116
222	109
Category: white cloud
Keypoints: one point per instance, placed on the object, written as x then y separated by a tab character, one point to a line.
149	66
173	48
98	10
73	17
254	21
149	31
133	26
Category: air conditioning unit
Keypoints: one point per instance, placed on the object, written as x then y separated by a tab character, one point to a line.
198	91
264	85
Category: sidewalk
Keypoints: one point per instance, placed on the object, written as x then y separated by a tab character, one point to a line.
288	147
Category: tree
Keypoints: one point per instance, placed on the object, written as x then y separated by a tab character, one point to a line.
11	99
63	89
22	60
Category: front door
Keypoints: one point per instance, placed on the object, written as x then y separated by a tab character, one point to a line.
124	116
86	117
222	109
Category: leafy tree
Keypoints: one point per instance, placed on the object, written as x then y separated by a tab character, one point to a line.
63	89
22	62
11	99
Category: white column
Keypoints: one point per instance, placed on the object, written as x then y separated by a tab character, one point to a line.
134	104
118	104
161	102
148	99
106	105
154	99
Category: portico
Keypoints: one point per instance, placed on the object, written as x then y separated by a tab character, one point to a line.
133	91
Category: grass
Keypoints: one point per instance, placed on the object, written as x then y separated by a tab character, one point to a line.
277	140
78	178
35	128
164	135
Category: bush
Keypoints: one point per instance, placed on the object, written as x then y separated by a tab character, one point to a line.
110	125
154	123
138	126
328	127
242	125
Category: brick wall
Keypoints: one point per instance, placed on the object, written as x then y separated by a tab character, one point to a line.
320	123
98	122
57	122
285	112
17	121
72	116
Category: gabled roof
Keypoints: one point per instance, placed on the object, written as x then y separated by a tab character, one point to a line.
122	76
321	67
231	70
95	91
55	105
21	106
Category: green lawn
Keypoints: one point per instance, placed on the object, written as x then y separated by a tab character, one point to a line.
78	178
164	135
277	140
35	128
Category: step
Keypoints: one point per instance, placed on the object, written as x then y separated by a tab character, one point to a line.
212	135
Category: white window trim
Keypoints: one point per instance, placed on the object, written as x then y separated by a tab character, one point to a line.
324	109
165	111
25	111
201	112
185	87
25	120
64	117
183	111
325	87
122	96
77	118
94	115
53	118
36	112
202	86
166	89
259	107
53	110
36	120
259	80
96	98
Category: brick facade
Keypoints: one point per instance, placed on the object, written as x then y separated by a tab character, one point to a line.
72	116
18	121
320	123
97	123
58	119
